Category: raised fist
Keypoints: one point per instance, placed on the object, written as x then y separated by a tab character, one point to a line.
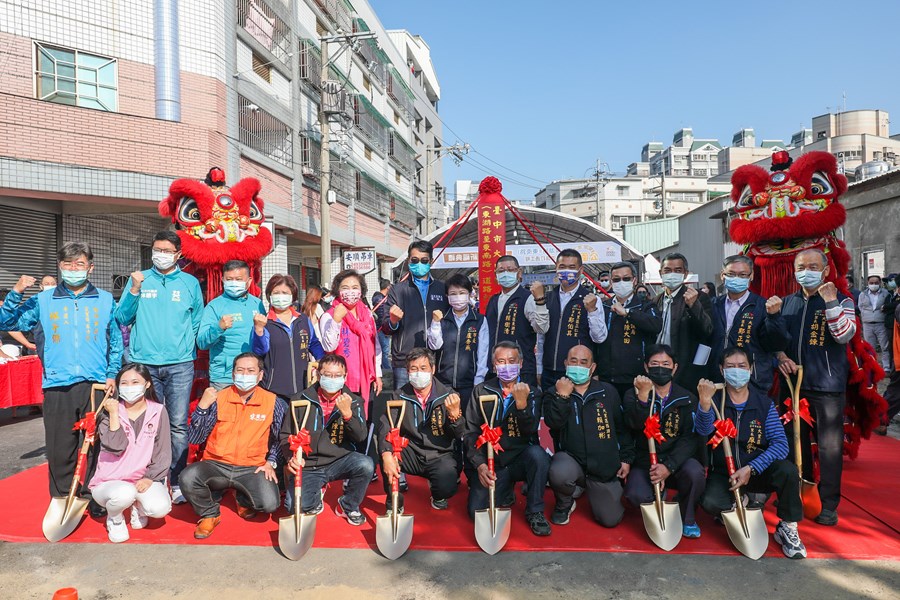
828	291
590	302
452	404
643	385
436	316
259	323
24	282
773	305
226	322
340	311
396	314
137	279
344	403
690	296
520	393
564	387
537	290
209	396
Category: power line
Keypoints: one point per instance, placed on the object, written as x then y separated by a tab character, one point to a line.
541	181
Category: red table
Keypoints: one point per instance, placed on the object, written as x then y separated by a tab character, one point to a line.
20	382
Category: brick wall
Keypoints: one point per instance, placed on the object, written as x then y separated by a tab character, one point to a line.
276	188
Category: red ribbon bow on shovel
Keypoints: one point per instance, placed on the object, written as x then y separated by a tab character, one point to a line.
651	428
397	441
88	424
724	429
301	441
788	416
489	436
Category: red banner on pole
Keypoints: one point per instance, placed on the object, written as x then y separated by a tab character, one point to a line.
491	237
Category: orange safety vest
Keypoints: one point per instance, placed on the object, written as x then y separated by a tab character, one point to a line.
241	434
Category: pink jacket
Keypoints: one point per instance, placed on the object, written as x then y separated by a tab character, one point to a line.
130	465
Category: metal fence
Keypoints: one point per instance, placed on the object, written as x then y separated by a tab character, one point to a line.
264	133
260	21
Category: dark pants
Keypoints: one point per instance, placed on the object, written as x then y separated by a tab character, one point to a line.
781	477
172	384
356	468
63	407
689	481
827	410
200	480
892	395
605	497
532	466
440	471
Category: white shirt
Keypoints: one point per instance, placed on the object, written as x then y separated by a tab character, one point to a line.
732	307
537	316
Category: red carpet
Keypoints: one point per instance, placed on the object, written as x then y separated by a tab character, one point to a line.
869	526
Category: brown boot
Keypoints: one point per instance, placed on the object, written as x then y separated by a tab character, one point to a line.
205	527
245	512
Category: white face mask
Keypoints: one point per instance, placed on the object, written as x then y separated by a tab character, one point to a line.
163	260
281	301
874	287
420	379
672	281
623	288
132	393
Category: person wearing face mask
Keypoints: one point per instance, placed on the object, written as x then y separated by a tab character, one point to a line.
337	427
678	453
135	454
632	324
432	423
821	322
686	319
285	338
871	301
522	458
410	307
240	426
643	293
163	307
596	447
227	322
760	449
747	320
460	340
81	345
514	314
381	313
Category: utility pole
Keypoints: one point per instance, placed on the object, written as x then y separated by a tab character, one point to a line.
456	152
325	178
600	174
662	189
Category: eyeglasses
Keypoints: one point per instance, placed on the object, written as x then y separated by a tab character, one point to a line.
169	252
741	275
415	261
618	279
78	265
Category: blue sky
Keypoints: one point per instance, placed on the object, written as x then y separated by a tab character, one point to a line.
547	88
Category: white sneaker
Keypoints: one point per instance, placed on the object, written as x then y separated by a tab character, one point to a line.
786	535
138	519
118	530
177	496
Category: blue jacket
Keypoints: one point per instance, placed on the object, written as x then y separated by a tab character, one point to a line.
77	337
225	345
165	317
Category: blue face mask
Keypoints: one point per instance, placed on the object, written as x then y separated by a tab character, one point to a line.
507	279
737	378
332	384
577	374
736	285
809	279
419	270
73	278
245	382
235	289
567	276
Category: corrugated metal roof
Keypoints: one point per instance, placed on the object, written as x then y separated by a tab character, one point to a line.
650	236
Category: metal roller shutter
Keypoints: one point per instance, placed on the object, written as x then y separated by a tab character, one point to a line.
28	244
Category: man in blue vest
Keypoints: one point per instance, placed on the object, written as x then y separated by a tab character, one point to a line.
514	316
163	306
79	343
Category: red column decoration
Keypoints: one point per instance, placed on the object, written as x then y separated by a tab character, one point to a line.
491	237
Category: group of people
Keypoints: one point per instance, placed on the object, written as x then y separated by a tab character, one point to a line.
591	369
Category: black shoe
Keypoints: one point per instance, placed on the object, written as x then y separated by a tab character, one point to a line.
538	523
443	504
95	510
561	513
827	517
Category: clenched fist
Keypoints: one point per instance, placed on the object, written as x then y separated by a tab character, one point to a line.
773	305
564	387
619	309
828	291
226	322
436	316
452	404
520	393
590	302
396	314
344	404
137	279
259	323
340	311
690	296
706	389
24	282
537	290
642	386
209	396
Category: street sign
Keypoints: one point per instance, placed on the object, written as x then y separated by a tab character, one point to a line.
361	261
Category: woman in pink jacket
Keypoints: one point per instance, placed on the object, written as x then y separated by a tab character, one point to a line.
135	454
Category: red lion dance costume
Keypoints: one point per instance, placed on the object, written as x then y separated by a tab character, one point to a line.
217	224
780	213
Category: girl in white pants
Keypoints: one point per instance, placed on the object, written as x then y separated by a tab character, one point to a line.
135	454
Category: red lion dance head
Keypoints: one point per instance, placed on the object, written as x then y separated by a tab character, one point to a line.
217	224
793	207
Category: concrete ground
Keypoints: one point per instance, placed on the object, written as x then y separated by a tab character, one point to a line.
106	571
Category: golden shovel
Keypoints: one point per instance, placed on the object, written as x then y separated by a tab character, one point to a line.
662	519
809	491
64	514
393	531
492	525
297	532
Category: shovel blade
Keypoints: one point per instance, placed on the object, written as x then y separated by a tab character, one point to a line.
752	543
295	539
492	534
62	517
390	545
665	533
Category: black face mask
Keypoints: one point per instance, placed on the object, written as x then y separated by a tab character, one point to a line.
660	375
642	295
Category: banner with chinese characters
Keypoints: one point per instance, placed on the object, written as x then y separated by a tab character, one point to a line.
491	245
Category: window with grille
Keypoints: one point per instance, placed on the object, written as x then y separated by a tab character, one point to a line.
260	21
76	78
264	133
262	68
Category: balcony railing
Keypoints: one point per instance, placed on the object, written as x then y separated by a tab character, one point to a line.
311	64
260	21
371	124
338	12
371	195
264	133
401	154
400	94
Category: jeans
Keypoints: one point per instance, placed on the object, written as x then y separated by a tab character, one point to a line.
201	480
385	341
173	384
401	377
355	467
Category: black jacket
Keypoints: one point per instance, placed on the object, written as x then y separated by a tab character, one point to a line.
568	328
329	440
457	360
288	357
754	330
676	426
519	426
592	429
382	312
410	331
430	432
825	363
513	326
620	358
690	327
